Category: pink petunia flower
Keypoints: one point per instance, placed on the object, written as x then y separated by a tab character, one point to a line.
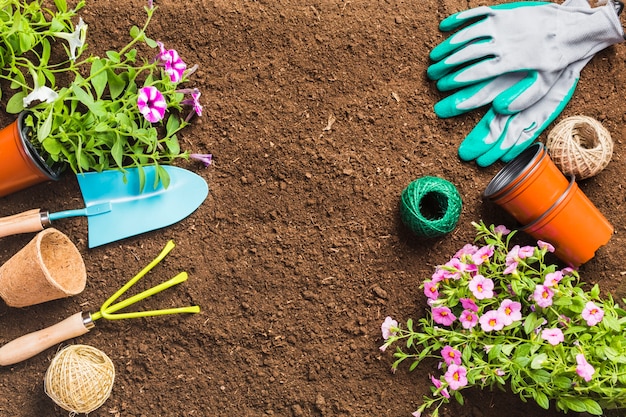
151	104
525	252
482	255
388	328
481	287
567	270
430	290
468	304
584	369
437	383
552	336
501	230
174	66
545	246
491	320
439	274
552	279
468	249
205	158
592	314
510	269
512	256
451	355
510	311
460	267
456	377
443	315
468	319
194	102
543	296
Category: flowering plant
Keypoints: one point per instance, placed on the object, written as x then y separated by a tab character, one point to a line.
499	315
115	111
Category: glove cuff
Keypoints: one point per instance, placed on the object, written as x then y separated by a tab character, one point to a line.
600	24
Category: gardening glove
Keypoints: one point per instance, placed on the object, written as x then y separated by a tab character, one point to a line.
508	93
521	36
503	136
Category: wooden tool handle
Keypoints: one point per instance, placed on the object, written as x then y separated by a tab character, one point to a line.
28	221
29	345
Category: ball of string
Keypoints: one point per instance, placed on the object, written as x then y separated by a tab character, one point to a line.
430	206
580	146
79	378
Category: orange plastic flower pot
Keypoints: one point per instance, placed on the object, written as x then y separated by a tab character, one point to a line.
573	225
20	165
528	185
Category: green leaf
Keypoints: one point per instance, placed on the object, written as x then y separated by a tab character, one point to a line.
44	129
135	32
562	382
132	57
83	96
26	42
46	48
459	397
16	103
531	323
541	376
52	146
595	291
84	162
113	56
573	404
99	77
541	399
172	145
163	176
592	407
172	126
508	348
562	301
61	5
116	84
538	360
611	322
117	151
150	42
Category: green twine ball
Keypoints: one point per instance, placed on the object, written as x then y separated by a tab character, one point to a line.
430	206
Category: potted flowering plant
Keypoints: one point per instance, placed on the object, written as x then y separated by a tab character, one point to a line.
501	316
97	113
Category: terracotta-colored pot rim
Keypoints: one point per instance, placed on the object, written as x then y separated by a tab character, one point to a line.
557	205
516	171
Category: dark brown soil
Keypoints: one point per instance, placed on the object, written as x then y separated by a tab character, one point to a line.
318	114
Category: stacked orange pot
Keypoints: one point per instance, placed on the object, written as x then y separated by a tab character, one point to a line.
549	206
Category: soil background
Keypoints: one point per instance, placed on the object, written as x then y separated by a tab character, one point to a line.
318	113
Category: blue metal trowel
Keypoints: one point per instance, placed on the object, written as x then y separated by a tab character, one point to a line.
117	207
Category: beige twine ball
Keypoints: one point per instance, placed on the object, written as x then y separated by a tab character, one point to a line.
79	378
580	146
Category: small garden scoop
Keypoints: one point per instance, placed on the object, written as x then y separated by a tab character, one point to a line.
116	206
31	344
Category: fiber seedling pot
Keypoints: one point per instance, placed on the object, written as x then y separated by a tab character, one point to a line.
20	164
49	267
528	185
573	225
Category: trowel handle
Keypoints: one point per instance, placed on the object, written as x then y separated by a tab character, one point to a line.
29	221
29	345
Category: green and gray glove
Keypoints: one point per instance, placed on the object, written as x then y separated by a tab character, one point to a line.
504	136
523	102
521	36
